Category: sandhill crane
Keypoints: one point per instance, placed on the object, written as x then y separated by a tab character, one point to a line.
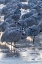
17	14
9	20
33	31
11	35
33	1
40	26
29	14
22	24
37	16
3	26
26	15
13	5
27	22
31	5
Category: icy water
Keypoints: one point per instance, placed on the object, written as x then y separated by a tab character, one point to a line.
28	55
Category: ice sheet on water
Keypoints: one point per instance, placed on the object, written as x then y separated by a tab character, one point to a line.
27	56
18	61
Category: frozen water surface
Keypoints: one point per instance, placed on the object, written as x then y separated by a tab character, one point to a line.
26	56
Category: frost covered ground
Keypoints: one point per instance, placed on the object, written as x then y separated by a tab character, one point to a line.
32	55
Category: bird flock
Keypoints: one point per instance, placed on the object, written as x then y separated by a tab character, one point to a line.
17	26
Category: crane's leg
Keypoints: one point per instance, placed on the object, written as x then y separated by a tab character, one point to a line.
33	40
14	48
11	47
0	38
5	44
